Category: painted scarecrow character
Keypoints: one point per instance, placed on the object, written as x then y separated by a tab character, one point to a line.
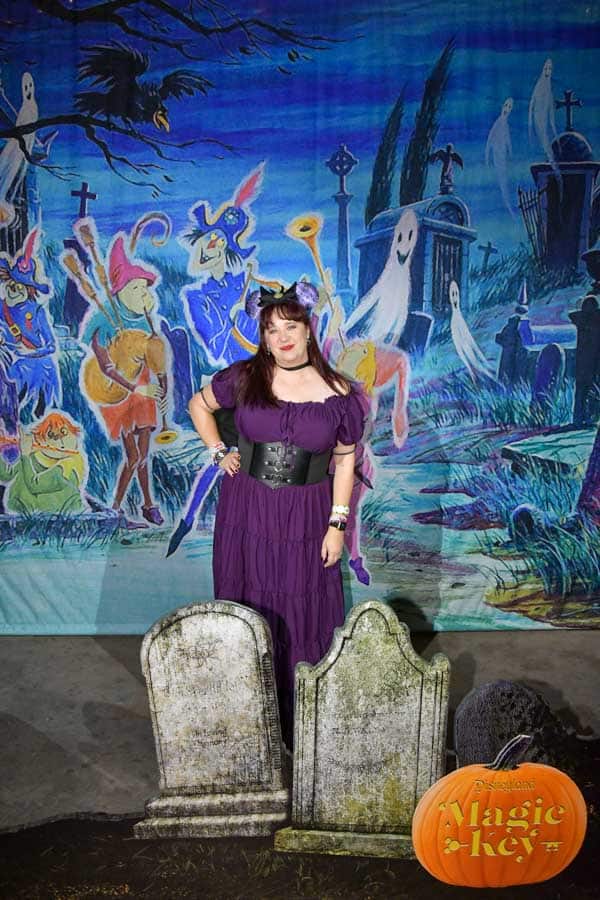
26	332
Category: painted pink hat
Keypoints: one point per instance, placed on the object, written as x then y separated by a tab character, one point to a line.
121	270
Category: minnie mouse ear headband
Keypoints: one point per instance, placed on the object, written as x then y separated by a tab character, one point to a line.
300	292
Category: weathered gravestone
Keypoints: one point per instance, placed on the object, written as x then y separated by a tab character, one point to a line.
370	738
491	714
209	672
549	374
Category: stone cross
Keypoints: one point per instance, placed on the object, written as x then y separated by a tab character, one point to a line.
488	250
84	195
569	103
209	672
369	740
341	163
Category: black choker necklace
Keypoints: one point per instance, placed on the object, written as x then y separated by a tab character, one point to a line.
295	368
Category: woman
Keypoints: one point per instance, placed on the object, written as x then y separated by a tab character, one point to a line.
279	529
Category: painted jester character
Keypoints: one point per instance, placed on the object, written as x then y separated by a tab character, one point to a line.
26	332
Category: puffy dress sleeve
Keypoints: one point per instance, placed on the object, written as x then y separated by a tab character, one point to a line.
352	424
225	385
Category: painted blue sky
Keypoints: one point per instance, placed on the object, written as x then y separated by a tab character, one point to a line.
342	94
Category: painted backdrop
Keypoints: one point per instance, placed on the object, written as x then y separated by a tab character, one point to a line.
432	167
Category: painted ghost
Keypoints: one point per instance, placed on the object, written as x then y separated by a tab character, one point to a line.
13	162
382	312
498	150
464	342
541	111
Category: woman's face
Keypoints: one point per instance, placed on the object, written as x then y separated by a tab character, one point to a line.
287	340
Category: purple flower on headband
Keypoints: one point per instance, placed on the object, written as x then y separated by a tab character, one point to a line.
253	305
300	292
307	294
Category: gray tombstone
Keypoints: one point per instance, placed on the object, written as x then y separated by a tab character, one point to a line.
586	411
370	738
491	714
209	672
549	375
415	337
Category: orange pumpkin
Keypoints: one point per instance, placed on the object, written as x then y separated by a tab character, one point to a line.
502	824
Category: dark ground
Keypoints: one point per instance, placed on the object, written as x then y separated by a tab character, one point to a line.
77	859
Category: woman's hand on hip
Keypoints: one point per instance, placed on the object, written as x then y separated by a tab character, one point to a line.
332	547
231	463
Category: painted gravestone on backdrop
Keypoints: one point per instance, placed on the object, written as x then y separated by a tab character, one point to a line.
209	672
370	733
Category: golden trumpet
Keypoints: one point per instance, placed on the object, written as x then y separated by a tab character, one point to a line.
306	228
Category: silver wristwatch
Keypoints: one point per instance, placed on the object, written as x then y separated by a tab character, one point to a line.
218	455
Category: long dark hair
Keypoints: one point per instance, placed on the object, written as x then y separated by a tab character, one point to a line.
256	374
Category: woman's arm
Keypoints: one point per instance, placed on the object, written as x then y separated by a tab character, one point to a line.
343	481
202	407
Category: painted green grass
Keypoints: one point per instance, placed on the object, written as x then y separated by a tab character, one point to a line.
55	530
501	282
565	560
454	399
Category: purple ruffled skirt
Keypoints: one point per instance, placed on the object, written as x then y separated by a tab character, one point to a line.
267	555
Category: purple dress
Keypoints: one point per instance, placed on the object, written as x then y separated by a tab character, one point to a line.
267	543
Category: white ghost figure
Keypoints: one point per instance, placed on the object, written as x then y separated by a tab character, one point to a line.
541	111
382	312
13	162
464	342
498	150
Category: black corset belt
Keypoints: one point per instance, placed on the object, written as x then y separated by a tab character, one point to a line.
277	464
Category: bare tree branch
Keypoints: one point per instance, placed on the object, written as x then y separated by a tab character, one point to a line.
91	126
284	34
103	12
178	27
255	29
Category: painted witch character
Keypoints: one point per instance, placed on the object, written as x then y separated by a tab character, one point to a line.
26	332
50	473
125	354
214	304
